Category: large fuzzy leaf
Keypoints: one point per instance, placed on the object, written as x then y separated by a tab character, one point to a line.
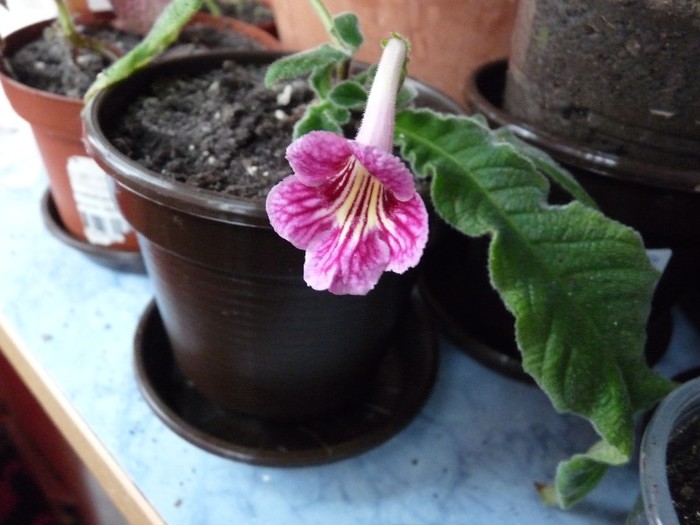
578	283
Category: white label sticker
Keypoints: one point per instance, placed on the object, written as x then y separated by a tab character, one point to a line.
102	222
659	257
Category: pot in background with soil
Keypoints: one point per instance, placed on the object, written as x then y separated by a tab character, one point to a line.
449	37
669	459
79	189
262	350
618	77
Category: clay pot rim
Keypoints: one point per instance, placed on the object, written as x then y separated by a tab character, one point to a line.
151	185
102	16
573	153
35	30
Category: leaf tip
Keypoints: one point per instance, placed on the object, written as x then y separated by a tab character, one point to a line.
548	494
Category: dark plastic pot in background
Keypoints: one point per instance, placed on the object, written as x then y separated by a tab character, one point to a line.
243	325
620	77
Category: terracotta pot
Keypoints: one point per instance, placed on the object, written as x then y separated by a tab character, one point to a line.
449	37
656	503
243	325
78	186
619	77
260	34
73	176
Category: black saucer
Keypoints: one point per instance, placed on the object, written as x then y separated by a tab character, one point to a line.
501	357
122	260
402	385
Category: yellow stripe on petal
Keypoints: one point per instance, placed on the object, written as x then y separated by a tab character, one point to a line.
359	204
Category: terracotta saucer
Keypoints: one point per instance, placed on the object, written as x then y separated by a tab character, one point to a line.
401	387
122	260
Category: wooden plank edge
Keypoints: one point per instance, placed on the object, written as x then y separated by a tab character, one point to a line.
115	482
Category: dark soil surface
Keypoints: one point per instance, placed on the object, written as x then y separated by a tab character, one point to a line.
683	458
51	65
221	131
619	76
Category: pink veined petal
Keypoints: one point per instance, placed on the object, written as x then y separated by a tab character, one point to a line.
345	266
356	212
406	233
318	156
297	212
373	232
387	168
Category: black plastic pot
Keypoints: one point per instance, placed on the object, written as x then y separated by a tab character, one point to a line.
244	328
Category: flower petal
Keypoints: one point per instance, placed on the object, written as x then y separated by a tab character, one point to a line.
297	212
318	156
406	232
346	265
387	168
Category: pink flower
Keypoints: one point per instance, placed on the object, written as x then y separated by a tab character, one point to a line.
351	204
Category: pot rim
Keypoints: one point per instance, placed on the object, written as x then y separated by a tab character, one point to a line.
576	154
17	38
678	407
149	184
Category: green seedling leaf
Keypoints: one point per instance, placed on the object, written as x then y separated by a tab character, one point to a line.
349	94
346	29
366	76
164	32
578	283
303	63
318	117
321	80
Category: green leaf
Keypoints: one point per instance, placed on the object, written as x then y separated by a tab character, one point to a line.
346	28
578	283
164	32
321	116
321	80
547	165
348	94
581	474
303	63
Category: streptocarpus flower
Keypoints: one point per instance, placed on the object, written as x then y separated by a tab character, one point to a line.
351	204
